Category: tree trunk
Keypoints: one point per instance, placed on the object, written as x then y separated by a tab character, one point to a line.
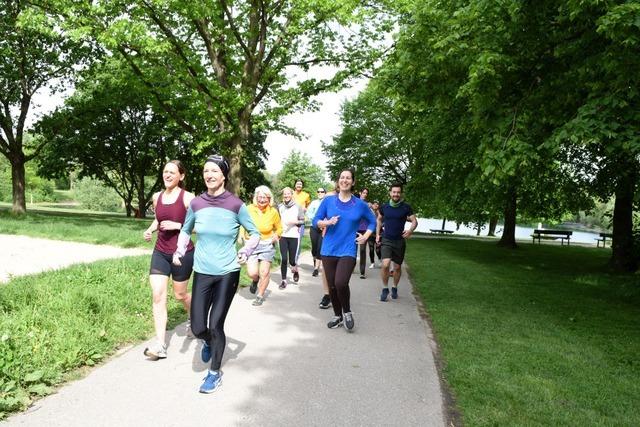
444	221
18	184
493	223
479	228
622	257
236	152
142	200
508	239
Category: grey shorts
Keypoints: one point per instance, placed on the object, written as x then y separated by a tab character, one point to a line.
393	249
263	252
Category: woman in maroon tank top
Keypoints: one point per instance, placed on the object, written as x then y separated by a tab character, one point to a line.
170	207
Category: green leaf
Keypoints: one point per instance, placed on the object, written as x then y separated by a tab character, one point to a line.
33	376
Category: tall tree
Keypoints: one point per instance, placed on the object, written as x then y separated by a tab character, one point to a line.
299	165
239	64
602	138
109	130
34	54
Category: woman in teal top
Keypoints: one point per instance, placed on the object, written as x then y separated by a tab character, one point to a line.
216	216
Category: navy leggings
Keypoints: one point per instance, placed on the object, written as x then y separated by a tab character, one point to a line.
211	298
338	272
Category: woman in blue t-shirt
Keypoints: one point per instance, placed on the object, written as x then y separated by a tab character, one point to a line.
341	214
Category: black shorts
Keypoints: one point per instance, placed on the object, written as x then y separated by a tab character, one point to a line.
162	264
393	249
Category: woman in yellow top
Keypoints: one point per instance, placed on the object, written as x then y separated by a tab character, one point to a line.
300	196
267	220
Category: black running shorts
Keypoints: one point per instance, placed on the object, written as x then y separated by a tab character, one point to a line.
162	264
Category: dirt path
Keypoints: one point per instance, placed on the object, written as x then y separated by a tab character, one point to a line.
21	255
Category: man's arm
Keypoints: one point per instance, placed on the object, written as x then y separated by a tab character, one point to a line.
378	227
414	223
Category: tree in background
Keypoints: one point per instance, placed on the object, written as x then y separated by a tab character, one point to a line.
601	141
236	65
299	166
373	142
34	54
109	130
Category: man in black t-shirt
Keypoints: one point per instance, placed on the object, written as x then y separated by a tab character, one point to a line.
391	235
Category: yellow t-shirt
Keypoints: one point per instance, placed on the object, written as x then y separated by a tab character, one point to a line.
267	222
302	198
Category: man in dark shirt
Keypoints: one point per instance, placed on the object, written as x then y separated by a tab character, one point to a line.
391	235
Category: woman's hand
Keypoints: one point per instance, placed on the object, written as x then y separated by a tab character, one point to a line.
176	260
147	234
361	239
170	225
242	257
331	221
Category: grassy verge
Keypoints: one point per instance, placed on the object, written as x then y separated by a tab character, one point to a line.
79	227
541	335
55	322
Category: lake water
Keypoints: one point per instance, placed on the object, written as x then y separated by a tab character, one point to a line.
524	233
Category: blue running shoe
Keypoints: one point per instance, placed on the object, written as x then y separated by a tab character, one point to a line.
394	293
211	382
384	294
205	353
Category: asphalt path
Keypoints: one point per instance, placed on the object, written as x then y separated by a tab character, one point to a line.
282	367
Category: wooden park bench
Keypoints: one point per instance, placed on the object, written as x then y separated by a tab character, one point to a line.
433	230
562	234
603	238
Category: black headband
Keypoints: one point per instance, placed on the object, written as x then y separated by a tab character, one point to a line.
222	163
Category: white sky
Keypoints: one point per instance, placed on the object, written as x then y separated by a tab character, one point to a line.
316	126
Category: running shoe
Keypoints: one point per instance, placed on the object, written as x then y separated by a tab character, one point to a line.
188	331
283	284
348	321
156	352
372	265
254	287
315	272
362	276
258	301
384	294
296	276
326	302
205	353
394	292
335	322
211	382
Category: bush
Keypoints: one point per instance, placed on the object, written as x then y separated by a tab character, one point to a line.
95	196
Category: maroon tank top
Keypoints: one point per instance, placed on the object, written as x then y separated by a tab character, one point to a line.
168	239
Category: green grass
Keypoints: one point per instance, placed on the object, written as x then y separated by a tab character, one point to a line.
85	227
541	335
55	322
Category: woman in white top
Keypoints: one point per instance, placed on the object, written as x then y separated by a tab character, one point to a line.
314	232
292	217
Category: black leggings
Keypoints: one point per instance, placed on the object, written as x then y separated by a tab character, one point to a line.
316	242
371	242
338	272
211	298
288	249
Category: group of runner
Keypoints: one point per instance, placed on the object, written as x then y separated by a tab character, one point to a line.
339	223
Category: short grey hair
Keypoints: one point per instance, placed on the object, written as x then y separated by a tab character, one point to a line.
263	189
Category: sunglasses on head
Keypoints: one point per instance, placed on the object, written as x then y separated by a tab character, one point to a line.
321	191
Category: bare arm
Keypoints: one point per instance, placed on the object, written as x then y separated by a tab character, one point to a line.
414	223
